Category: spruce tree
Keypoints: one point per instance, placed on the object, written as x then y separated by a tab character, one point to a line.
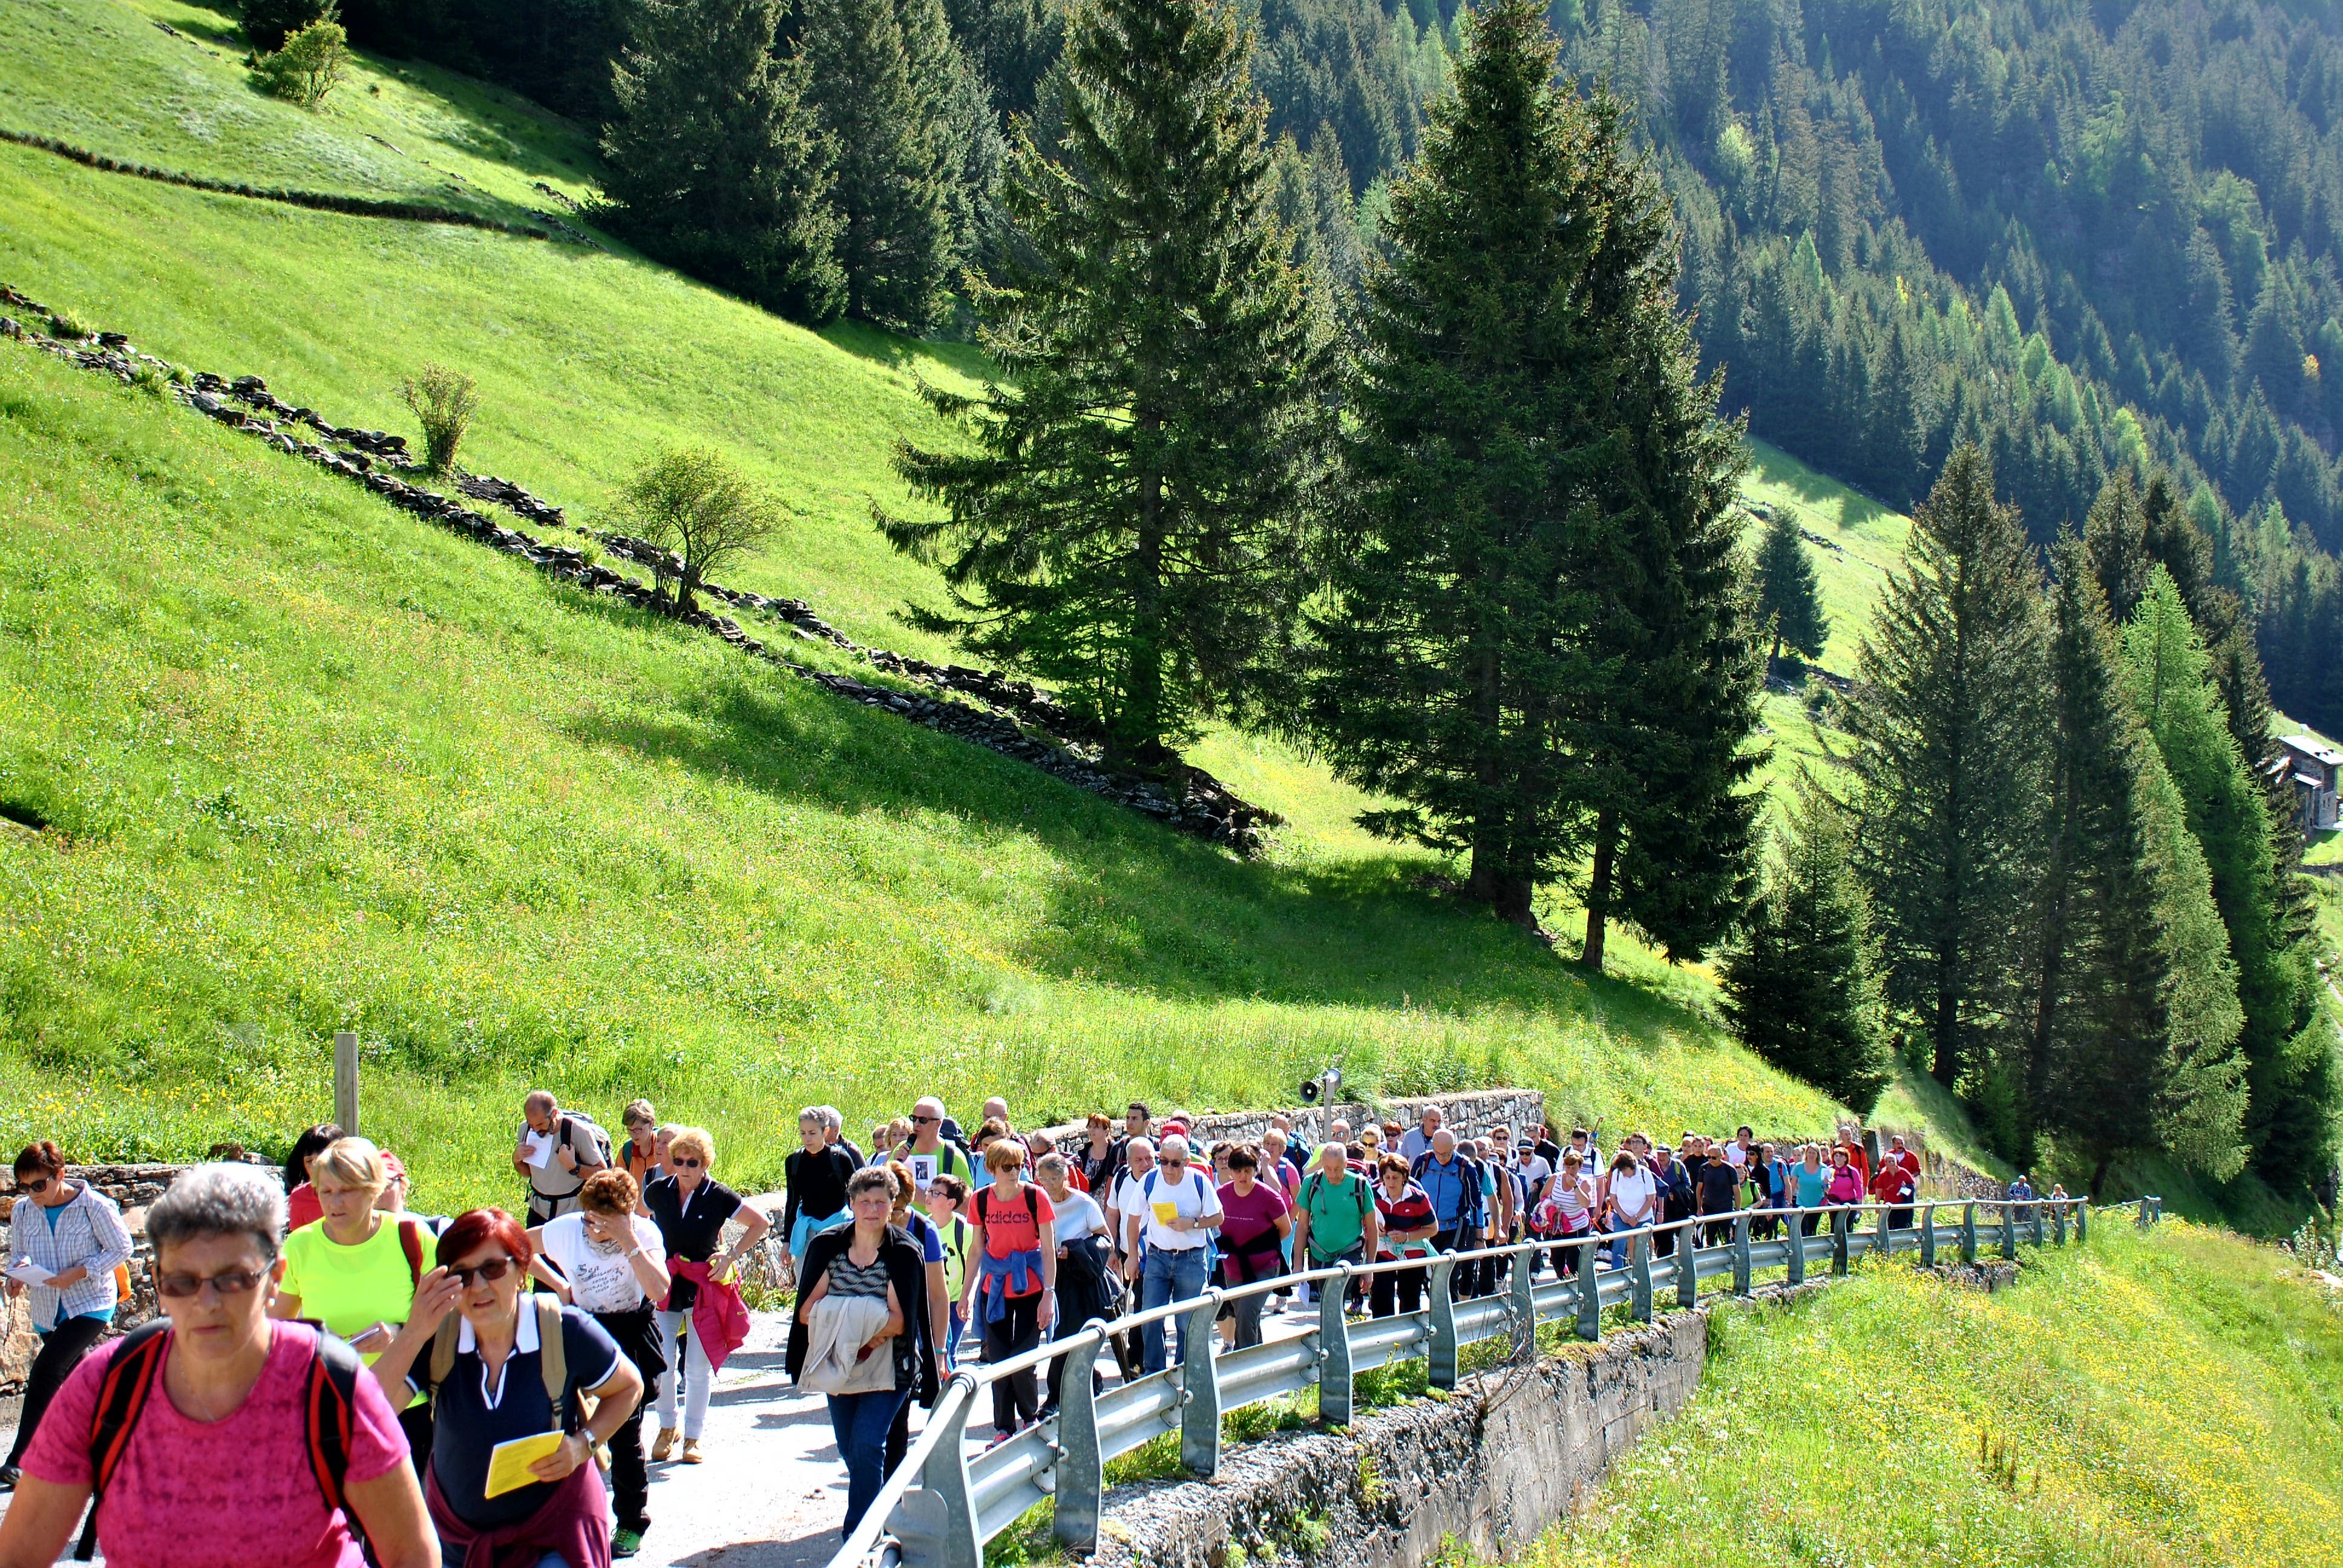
2174	691
1663	753
1949	721
2115	536
1129	516
1800	987
716	163
886	79
1789	599
2134	1009
1473	511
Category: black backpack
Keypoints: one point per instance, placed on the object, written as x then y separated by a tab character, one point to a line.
131	1371
573	1120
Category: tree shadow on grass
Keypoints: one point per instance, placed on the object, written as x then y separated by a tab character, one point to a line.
1133	905
897	352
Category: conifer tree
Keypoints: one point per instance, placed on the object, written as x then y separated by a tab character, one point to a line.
1801	987
1948	721
716	163
1463	595
2136	1013
1665	752
1129	518
2115	536
1789	600
2176	697
886	78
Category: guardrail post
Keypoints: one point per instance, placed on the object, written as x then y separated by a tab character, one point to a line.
1842	1228
1081	1467
1883	1236
1639	1276
1969	1232
1687	1269
945	1477
2082	1221
2140	1219
1199	1390
1742	1268
2058	1226
2009	1229
2159	1213
1796	1229
2038	1222
1334	1351
1524	1283
1442	1370
1590	1296
1927	1235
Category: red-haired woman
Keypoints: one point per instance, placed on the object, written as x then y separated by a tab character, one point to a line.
485	1369
75	1233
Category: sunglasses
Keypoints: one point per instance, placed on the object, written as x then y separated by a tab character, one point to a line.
925	1120
38	1184
234	1282
683	1165
490	1272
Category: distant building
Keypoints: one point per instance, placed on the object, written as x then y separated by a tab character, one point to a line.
2317	771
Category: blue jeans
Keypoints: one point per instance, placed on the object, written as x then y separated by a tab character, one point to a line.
859	1421
1168	1276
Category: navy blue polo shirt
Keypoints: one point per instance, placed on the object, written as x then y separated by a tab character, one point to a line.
475	1415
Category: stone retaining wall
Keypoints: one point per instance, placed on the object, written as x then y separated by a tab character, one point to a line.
1505	1455
1470	1113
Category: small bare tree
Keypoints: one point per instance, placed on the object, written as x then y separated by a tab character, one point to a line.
696	507
444	402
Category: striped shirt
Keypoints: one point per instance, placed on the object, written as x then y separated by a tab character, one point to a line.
88	1235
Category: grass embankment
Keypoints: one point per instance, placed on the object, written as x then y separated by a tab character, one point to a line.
308	763
313	764
2168	1399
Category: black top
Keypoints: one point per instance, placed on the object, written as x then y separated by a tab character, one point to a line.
1720	1185
690	1230
817	1184
907	1271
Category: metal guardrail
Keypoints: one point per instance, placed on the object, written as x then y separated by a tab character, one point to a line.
940	1505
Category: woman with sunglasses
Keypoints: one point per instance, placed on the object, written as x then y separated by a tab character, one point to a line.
494	1392
691	1208
75	1232
230	1388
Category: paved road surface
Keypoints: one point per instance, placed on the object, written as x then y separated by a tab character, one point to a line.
772	1491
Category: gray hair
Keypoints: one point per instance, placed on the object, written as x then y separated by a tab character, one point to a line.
221	1200
871	1179
833	1118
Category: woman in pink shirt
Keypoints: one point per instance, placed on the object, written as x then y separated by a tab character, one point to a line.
215	1472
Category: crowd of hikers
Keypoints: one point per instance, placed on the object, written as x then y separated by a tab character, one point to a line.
396	1388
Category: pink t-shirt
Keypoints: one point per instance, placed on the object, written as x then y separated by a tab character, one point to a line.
234	1494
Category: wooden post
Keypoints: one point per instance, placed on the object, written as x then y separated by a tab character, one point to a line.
346	1084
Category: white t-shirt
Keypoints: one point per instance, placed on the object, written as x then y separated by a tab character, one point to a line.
1079	1216
1633	1192
1531	1174
600	1278
1192	1198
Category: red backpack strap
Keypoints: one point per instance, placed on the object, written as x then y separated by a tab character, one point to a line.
330	1407
410	1241
131	1369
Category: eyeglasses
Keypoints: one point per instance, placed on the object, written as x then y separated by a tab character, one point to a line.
490	1272
38	1184
925	1120
683	1165
233	1282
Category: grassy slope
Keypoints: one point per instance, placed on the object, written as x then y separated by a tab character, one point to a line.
2194	1416
587	360
317	764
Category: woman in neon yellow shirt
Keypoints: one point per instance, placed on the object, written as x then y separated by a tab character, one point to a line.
355	1270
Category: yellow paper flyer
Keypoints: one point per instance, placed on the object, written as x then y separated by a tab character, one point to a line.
509	1463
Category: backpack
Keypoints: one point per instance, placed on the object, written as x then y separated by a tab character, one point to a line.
552	1362
132	1369
1032	1202
1318	1183
573	1120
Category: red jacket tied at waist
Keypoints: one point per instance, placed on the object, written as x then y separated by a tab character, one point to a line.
719	1318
